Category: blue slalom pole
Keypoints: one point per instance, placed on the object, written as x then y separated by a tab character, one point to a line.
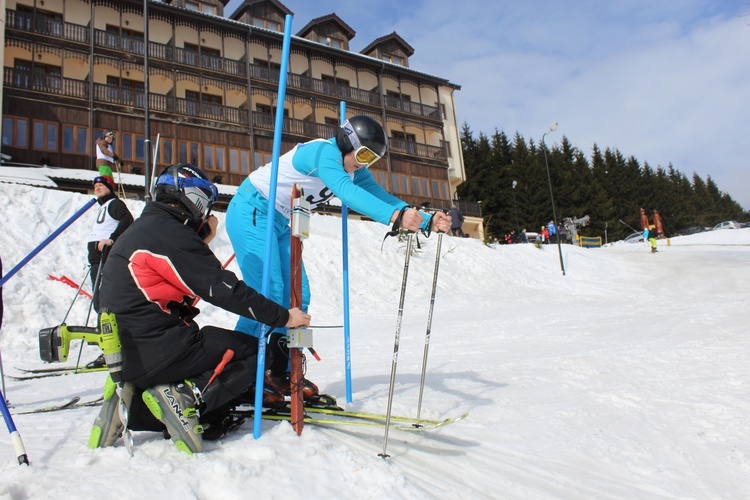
345	259
266	284
47	241
15	437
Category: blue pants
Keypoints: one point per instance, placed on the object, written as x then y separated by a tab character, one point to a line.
246	222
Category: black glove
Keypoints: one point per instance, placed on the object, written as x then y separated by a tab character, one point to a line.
115	157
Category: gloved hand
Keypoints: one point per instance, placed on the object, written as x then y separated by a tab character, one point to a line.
115	157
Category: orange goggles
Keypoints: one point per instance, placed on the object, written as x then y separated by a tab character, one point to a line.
365	156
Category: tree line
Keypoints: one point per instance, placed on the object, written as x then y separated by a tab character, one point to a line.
607	186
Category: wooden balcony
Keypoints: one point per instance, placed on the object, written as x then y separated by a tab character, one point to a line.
134	45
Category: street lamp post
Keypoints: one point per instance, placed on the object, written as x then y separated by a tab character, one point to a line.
551	197
515	208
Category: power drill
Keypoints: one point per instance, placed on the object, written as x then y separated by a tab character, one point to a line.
54	342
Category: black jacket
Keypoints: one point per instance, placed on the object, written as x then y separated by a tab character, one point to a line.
151	278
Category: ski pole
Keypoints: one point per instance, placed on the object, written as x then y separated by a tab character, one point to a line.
429	322
15	437
271	211
47	241
345	283
631	227
409	240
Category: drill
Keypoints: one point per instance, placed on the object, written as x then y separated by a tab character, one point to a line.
54	342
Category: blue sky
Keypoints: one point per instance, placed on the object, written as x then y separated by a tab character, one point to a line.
665	82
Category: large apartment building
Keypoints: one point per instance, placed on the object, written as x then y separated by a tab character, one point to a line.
209	84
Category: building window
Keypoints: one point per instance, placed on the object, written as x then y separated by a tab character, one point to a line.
75	139
446	145
440	190
188	152
415	182
392	58
400	183
206	8
381	178
213	157
334	42
261	158
268	24
132	147
166	151
45	136
239	161
15	132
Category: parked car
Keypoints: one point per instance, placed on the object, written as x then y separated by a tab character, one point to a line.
634	238
744	224
727	224
691	230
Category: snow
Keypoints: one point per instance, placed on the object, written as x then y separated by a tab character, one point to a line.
627	378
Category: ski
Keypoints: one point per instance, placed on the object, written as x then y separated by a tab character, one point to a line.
73	403
58	369
63	406
354	419
397	418
34	376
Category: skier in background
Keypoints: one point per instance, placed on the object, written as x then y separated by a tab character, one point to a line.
650	235
112	219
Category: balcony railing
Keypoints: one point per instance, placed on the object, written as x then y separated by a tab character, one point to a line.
49	84
135	45
416	149
135	98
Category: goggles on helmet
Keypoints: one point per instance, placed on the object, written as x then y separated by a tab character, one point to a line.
362	154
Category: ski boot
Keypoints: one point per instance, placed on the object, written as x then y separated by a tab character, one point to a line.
310	393
108	427
175	406
217	426
272	398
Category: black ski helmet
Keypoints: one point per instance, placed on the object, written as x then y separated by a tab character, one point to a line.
189	186
368	131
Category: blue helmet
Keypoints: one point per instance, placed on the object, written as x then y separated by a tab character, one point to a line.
189	186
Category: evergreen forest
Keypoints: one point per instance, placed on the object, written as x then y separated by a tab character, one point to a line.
607	186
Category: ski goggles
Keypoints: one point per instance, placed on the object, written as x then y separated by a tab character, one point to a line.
201	184
365	156
362	154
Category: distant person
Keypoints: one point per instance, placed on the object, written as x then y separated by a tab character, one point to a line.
112	219
651	235
105	154
552	230
523	237
545	234
457	220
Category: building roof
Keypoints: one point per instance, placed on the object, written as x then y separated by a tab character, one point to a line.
408	49
332	18
249	3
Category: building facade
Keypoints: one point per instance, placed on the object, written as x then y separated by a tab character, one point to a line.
75	68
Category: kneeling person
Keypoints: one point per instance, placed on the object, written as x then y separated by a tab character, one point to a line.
154	274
